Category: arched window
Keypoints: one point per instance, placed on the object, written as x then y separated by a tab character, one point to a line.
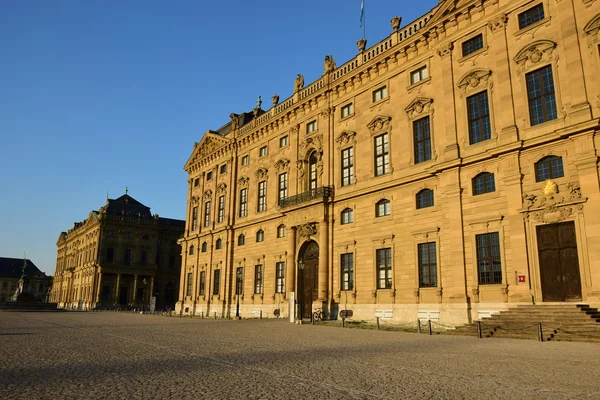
484	183
219	244
241	240
425	198
191	250
549	168
260	235
204	247
347	216
281	231
312	171
382	208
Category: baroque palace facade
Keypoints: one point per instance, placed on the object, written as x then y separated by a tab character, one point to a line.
446	172
120	256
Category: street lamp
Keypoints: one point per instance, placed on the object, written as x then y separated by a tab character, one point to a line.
238	290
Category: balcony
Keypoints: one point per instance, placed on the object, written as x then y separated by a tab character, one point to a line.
323	193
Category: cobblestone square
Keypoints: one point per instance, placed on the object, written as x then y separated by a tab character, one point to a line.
128	356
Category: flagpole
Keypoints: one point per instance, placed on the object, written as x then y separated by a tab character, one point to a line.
364	21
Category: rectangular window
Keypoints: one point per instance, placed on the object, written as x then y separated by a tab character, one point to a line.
284	141
489	265
209	176
348	166
283	185
127	257
194	218
422	138
207	214
280	277
144	257
311	126
472	45
258	279
479	118
243	202
239	280
216	282
202	283
188	290
540	92
262	196
196	182
427	265
384	268
223	169
110	254
263	151
382	157
380	94
245	160
419	75
347	268
531	16
221	216
347	110
484	183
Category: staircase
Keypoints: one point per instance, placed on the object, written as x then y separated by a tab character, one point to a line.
563	322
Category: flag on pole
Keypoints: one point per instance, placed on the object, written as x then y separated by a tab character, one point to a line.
362	13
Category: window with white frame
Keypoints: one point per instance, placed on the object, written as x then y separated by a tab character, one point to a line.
347	110
348	166
347	269
221	216
263	151
243	202
262	196
207	214
280	277
347	216
380	94
219	244
284	141
383	208
419	75
260	235
311	126
384	268
382	156
283	186
281	232
245	160
258	279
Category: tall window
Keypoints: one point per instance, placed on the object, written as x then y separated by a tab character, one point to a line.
260	236
281	231
209	176
280	277
347	110
382	157
207	214
263	151
380	94
196	182
472	45
419	75
549	168
540	92
241	239
382	208
347	216
284	141
311	126
202	283
219	244
239	280
144	257
194	218
422	138
216	282
245	160
489	265
531	16
243	202
347	268
221	216
188	290
283	186
191	251
312	171
258	279
204	247
484	183
127	257
110	254
425	198
262	196
384	268
479	117
348	166
223	169
427	265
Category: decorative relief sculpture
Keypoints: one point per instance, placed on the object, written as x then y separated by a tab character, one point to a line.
346	137
498	24
207	195
315	141
329	65
235	123
195	200
301	169
329	111
592	29
473	79
379	123
307	230
419	106
243	181
445	50
221	188
534	53
275	99
298	83
261	173
553	206
362	45
282	164
396	21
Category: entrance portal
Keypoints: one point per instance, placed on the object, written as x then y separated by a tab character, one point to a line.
308	268
559	263
123	295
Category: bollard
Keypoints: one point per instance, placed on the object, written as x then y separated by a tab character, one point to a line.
540	332
191	315
215	315
260	314
429	327
312	318
202	314
479	330
418	326
377	323
343	322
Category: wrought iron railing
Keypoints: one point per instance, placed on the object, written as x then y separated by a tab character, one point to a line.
320	193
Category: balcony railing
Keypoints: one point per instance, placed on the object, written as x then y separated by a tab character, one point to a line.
320	193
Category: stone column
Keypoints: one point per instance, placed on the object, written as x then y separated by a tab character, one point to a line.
323	257
117	288
134	294
450	152
290	281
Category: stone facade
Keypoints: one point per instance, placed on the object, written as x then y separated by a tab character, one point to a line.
118	257
10	272
449	171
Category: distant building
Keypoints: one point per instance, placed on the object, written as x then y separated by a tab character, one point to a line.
445	172
10	273
120	256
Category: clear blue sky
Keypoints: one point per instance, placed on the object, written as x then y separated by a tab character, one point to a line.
99	95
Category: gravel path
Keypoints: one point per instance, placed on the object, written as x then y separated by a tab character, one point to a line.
129	356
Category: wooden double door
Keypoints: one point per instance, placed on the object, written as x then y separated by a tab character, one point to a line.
559	262
308	287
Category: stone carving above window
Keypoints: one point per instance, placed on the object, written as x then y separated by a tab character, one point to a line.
475	80
307	230
346	137
379	123
221	188
592	29
445	50
420	106
315	142
552	205
207	195
498	24
282	164
243	181
532	54
195	200
261	173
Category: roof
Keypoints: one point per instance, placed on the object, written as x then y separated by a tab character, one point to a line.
243	119
14	267
126	205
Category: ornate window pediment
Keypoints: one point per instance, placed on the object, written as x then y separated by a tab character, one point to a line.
379	123
315	142
475	80
592	29
207	195
346	137
221	188
282	164
533	53
420	106
243	181
261	173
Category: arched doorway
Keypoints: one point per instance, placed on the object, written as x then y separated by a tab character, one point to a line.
308	268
